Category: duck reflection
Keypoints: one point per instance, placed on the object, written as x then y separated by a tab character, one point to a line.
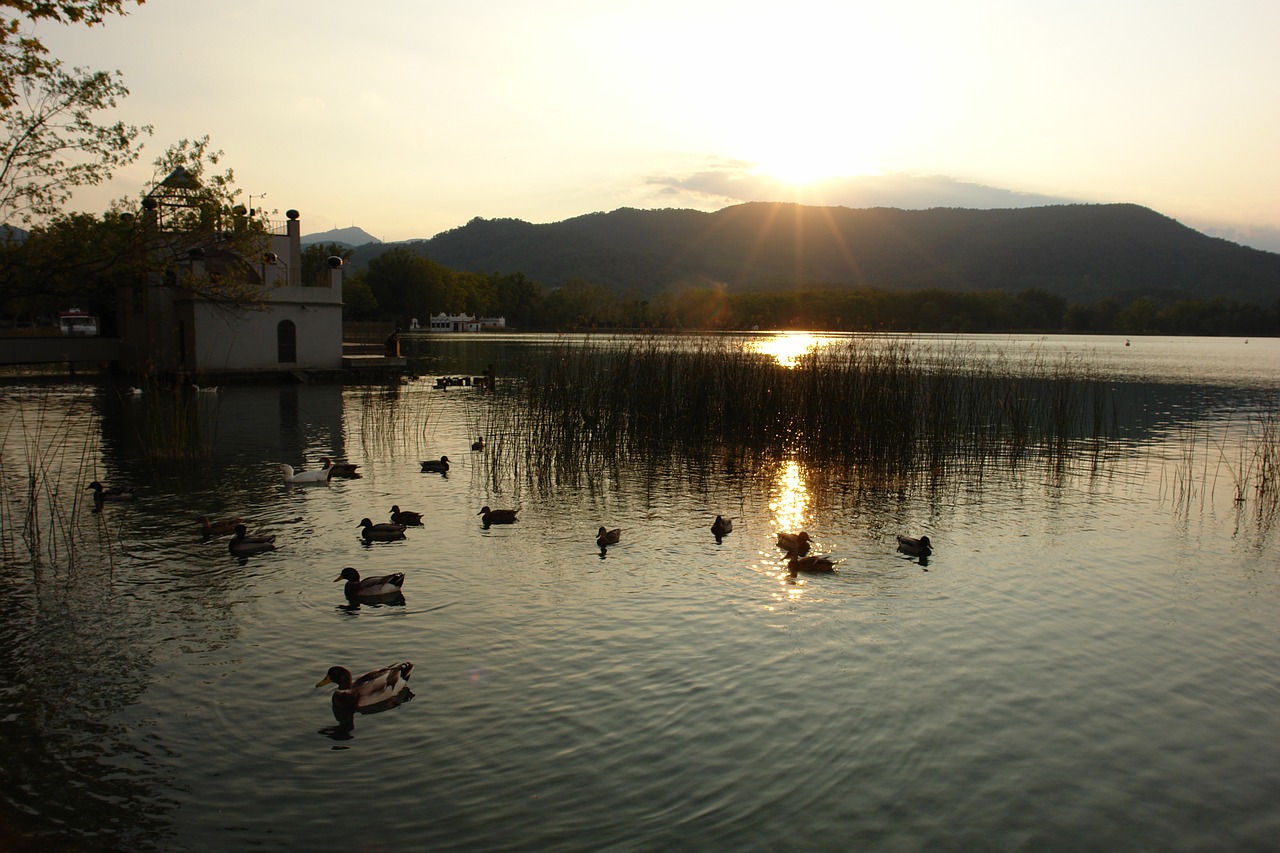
353	606
345	718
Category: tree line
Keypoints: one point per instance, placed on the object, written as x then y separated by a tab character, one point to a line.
401	284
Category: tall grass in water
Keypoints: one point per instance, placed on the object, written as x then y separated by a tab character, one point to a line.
44	449
1257	473
170	423
890	410
393	418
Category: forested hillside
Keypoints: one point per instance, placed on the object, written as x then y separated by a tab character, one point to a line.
1079	252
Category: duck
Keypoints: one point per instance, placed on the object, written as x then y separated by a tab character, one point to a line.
217	528
497	516
102	494
915	547
405	517
372	688
722	525
242	544
478	444
816	563
605	538
436	466
384	532
794	543
340	469
320	475
381	586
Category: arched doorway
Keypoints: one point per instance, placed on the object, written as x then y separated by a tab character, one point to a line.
287	342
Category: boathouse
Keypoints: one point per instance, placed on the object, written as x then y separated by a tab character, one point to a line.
295	325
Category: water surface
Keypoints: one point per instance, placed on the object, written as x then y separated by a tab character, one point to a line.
1087	662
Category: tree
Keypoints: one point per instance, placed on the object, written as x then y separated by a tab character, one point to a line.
52	143
315	261
24	55
189	212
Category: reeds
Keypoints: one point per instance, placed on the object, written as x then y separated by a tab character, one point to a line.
884	407
170	423
393	419
44	449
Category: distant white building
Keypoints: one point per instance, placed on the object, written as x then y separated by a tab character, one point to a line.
465	323
167	329
77	323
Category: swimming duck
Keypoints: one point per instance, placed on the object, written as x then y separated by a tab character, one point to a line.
217	528
722	525
101	494
405	517
372	688
915	547
794	543
478	444
340	469
384	532
816	563
320	475
497	516
605	538
436	466
242	544
374	587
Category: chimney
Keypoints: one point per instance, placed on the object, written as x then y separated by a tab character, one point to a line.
294	231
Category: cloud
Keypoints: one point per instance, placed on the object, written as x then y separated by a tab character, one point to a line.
1264	237
730	182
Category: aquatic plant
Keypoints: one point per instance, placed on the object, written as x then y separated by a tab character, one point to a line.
44	449
171	421
880	406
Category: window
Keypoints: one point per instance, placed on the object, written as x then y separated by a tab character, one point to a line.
287	342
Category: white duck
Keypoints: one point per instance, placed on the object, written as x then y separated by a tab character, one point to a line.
319	475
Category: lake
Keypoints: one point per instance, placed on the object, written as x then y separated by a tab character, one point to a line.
1089	660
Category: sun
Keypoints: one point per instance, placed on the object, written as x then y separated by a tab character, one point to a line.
804	165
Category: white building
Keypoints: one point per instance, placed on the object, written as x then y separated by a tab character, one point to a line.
167	329
465	323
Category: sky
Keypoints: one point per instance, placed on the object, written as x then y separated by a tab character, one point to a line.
410	118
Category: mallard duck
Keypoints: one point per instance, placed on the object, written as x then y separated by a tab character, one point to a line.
816	563
722	525
372	688
405	517
102	494
605	538
436	466
242	544
497	516
478	444
346	470
320	475
794	543
217	528
384	532
374	587
915	547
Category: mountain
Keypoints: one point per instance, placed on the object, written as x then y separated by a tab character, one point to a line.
352	236
1081	252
